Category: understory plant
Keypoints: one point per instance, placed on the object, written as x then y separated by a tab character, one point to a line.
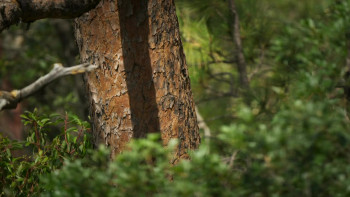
51	140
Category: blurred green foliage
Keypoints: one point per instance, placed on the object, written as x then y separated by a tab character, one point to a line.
291	139
273	34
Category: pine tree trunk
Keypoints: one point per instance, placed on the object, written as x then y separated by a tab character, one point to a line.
142	85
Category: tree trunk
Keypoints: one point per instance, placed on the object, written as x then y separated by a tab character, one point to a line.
142	83
236	35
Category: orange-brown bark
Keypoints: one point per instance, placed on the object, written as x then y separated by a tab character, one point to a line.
142	85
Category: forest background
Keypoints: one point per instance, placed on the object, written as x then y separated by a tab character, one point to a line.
282	132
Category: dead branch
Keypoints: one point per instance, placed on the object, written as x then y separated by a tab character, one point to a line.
9	100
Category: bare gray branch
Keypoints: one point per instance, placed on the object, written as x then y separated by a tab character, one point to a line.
9	100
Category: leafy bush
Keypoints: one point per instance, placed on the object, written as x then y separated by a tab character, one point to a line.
20	175
302	152
143	170
138	172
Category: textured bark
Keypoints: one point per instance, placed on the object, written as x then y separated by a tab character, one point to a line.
142	85
10	13
14	11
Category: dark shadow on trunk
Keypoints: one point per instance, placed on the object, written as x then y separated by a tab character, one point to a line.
134	30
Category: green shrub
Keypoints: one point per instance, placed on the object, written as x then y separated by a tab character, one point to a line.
20	175
143	170
303	151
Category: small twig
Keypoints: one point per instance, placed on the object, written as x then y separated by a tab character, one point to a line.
232	159
9	100
203	125
37	143
258	72
65	129
79	134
